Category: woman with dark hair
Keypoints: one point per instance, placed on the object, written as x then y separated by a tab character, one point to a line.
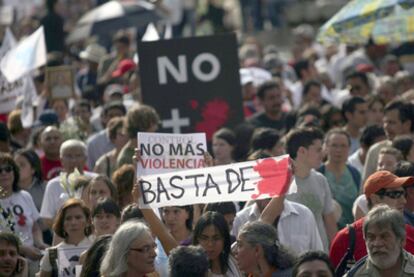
331	117
73	224
212	233
179	221
227	209
267	141
106	217
101	187
18	213
94	257
259	252
224	141
405	143
30	178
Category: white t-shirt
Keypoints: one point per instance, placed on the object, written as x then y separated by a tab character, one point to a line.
54	197
67	257
19	211
355	161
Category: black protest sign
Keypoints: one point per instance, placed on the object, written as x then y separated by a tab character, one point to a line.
193	83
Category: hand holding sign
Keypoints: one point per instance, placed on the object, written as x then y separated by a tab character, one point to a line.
275	207
208	159
136	192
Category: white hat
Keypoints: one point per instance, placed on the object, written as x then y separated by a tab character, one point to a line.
254	74
94	53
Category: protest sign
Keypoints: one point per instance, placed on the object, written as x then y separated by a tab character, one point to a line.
193	83
59	81
10	91
68	259
234	182
170	152
27	55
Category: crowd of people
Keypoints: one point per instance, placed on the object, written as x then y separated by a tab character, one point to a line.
69	186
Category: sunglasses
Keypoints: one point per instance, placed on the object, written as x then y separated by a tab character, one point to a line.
6	169
392	194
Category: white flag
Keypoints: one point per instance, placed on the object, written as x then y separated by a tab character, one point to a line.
151	33
26	56
10	91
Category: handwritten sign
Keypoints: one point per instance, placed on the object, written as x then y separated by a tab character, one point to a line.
235	182
163	153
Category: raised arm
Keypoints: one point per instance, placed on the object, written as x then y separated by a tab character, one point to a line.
273	210
156	225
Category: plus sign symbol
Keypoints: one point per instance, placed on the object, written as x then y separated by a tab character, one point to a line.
175	122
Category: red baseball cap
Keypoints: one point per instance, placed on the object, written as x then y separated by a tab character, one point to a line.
385	180
123	67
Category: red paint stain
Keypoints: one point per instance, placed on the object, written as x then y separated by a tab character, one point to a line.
215	114
193	104
275	177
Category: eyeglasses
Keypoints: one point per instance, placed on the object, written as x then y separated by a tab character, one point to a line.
392	194
145	249
6	169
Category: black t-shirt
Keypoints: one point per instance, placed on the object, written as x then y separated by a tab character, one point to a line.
262	120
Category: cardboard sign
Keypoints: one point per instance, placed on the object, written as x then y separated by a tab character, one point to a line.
59	80
68	259
170	152
234	182
193	83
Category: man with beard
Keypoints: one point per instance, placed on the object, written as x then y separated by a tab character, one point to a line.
380	188
11	263
270	95
384	233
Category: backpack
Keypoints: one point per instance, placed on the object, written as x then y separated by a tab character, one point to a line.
347	261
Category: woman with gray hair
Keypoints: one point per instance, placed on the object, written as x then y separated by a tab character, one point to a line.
131	252
259	252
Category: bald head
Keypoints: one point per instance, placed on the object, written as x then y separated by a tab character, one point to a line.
50	141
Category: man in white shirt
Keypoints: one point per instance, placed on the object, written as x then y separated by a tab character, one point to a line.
296	225
73	156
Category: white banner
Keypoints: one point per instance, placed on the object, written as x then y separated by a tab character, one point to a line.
10	91
234	182
163	153
27	55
